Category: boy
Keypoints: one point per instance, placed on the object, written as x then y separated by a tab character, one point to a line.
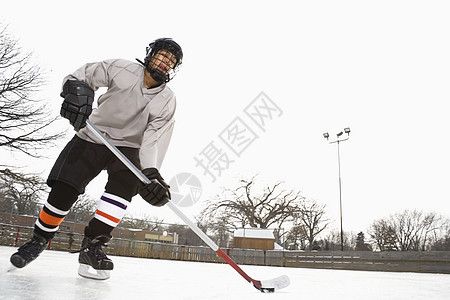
137	114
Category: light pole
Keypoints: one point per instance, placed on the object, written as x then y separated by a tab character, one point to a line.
338	140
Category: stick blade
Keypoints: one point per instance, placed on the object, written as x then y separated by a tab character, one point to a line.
271	285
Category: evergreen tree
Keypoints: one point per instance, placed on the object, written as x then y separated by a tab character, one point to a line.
361	245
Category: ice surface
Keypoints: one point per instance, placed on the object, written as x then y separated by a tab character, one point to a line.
54	276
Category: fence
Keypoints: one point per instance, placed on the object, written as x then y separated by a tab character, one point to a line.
411	261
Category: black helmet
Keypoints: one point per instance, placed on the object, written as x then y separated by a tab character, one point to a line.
169	45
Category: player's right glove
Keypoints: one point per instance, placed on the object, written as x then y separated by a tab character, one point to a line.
77	105
157	191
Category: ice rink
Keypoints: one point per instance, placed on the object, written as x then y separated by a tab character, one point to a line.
54	276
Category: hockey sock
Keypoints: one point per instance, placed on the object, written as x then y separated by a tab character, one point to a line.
49	220
58	204
110	211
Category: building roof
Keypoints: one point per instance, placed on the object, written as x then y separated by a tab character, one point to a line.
256	233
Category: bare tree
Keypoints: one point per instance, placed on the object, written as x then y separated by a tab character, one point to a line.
383	233
295	238
24	121
144	222
311	219
218	229
408	230
242	206
332	241
413	228
21	193
442	242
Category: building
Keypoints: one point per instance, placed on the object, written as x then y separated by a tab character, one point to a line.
254	238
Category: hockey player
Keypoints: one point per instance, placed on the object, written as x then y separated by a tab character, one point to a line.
137	114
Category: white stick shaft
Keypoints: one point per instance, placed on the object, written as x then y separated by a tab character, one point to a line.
117	152
193	226
144	179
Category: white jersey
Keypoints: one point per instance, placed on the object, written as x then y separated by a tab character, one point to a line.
128	113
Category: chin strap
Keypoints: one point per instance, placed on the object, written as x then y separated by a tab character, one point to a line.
144	64
140	61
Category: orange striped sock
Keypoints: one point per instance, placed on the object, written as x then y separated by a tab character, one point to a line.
50	218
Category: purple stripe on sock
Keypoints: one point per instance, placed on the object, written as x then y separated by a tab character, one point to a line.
114	202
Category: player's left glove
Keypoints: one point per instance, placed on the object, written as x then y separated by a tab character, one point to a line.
157	191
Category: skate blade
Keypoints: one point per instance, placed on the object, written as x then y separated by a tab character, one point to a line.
87	271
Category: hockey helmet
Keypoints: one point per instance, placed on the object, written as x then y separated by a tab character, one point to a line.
161	54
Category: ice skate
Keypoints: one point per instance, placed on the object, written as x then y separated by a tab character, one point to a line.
94	263
29	251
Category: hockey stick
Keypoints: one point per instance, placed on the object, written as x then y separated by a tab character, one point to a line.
265	286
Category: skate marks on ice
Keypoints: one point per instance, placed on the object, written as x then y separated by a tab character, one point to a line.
54	276
11	268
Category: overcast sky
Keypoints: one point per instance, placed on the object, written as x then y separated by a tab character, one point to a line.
378	67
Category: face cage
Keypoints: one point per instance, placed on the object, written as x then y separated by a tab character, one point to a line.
161	62
152	63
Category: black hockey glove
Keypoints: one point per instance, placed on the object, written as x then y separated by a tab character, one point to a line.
77	104
157	191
